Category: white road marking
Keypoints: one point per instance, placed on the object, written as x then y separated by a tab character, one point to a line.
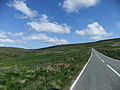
109	66
81	72
113	70
109	57
100	58
86	66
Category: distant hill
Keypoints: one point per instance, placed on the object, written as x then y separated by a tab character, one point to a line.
52	67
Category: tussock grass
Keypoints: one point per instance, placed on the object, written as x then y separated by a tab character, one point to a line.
52	67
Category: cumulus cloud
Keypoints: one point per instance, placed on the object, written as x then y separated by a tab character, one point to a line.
2	35
2	45
44	38
6	40
6	34
94	31
21	6
16	34
44	25
7	37
75	5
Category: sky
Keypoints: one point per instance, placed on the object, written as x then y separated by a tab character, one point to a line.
43	23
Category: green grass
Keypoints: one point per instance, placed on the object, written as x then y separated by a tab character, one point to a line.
52	67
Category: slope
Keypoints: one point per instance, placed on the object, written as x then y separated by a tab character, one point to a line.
52	67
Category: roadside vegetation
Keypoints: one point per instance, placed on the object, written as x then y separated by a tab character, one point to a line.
52	67
110	48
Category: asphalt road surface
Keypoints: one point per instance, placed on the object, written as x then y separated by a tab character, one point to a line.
99	73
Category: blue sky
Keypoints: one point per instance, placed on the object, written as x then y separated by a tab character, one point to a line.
43	23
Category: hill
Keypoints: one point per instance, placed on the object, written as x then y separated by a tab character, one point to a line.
52	67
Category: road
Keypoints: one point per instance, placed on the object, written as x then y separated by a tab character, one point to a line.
99	73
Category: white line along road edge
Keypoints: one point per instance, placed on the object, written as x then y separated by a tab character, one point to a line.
81	72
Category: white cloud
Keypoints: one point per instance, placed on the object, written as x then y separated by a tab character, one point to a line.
21	16
44	25
75	5
2	45
21	6
94	31
5	34
6	40
7	37
21	41
44	38
17	34
2	35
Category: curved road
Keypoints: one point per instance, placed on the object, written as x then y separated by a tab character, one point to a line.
99	73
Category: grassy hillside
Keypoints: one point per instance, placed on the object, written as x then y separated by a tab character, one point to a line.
110	48
52	67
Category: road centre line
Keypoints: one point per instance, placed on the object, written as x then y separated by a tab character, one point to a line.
109	66
110	57
113	70
100	58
